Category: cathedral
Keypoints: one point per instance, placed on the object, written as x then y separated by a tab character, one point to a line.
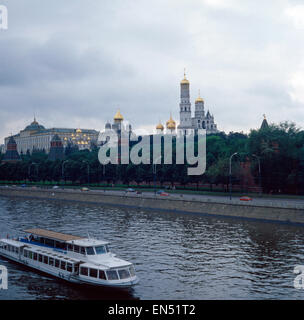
188	124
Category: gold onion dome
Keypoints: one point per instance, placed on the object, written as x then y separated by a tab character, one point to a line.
171	123
78	130
185	81
199	99
159	127
118	116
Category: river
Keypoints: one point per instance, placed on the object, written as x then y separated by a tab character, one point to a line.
176	256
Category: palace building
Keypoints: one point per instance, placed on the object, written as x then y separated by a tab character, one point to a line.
36	137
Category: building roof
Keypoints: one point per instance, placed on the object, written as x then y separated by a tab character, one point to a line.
34	126
170	123
118	116
11	154
199	99
52	234
185	81
264	124
56	138
160	127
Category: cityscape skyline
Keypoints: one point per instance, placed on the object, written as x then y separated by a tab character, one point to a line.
132	56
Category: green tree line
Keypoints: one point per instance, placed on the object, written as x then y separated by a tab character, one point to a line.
278	150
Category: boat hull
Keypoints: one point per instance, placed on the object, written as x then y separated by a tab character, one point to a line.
64	275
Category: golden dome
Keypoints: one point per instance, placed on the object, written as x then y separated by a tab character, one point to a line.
185	81
159	127
118	116
199	99
171	123
78	130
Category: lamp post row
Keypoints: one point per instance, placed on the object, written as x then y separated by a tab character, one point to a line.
230	173
88	169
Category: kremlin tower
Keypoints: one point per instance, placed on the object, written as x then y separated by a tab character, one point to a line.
11	154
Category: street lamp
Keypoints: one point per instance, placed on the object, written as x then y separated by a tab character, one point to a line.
29	169
104	173
260	186
62	170
88	167
154	176
154	173
230	186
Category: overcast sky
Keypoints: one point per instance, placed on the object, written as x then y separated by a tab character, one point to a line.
73	63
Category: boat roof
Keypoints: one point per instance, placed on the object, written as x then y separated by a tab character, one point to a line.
14	243
88	242
52	234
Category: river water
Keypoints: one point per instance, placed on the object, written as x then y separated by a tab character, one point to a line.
176	256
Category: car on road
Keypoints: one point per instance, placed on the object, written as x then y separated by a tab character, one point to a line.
164	194
55	187
85	189
23	185
130	190
245	198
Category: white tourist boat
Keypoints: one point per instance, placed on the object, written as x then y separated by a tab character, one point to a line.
72	258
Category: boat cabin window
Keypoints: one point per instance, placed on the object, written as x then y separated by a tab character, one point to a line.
90	251
12	249
25	253
45	259
102	275
51	261
76	249
82	250
70	247
84	271
124	274
100	249
57	262
62	265
93	273
39	257
50	242
112	275
35	256
69	267
60	245
30	254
